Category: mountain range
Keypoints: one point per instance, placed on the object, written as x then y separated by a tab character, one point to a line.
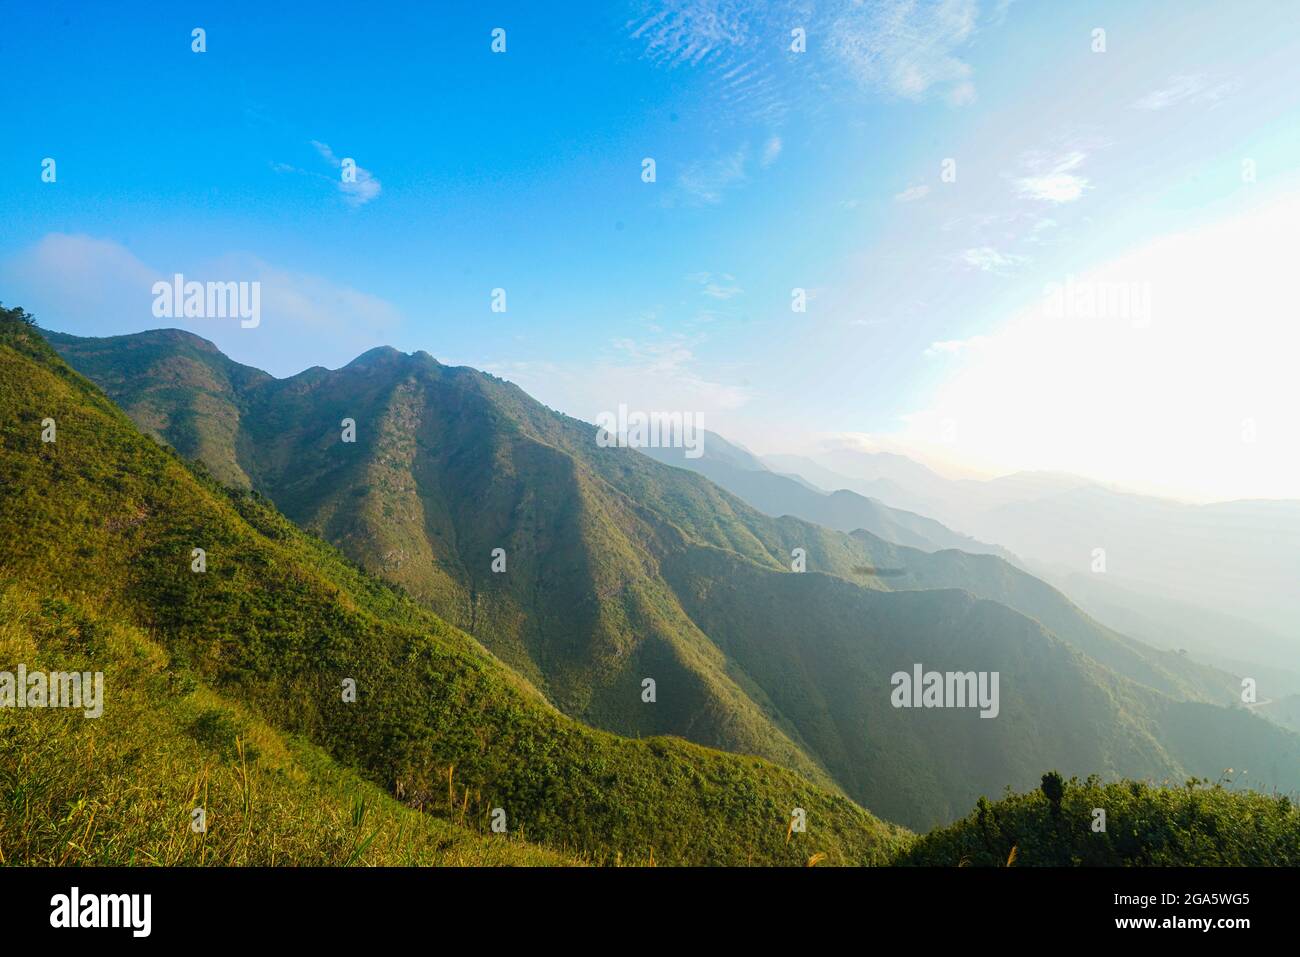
587	571
745	476
1215	580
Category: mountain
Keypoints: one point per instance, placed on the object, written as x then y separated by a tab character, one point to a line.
1221	639
97	536
774	494
1285	711
1241	557
618	569
1216	580
893	479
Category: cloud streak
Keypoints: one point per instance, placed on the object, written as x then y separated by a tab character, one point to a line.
1055	180
911	49
988	259
1192	88
357	191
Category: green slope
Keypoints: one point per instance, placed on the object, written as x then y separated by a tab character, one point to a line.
1058	825
107	519
120	789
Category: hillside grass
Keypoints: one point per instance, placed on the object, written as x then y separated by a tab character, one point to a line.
1200	824
121	788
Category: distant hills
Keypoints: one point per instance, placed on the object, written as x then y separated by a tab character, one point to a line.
1216	580
746	477
619	568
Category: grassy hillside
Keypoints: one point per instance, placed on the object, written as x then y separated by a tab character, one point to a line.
185	393
1198	824
120	789
106	519
621	568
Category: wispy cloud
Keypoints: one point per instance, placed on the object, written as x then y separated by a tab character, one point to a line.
1192	88
715	291
952	346
988	259
691	31
1053	179
357	191
94	286
671	364
906	48
912	194
1000	11
716	285
662	373
771	150
706	181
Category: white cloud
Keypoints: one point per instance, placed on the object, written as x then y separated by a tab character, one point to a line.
1190	88
97	287
962	94
1001	10
988	259
715	291
662	374
952	346
690	31
912	193
71	282
357	192
721	286
906	47
706	181
771	150
1054	181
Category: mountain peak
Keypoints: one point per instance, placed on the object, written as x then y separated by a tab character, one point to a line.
376	355
388	355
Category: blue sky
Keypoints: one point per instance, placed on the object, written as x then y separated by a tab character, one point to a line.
819	170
